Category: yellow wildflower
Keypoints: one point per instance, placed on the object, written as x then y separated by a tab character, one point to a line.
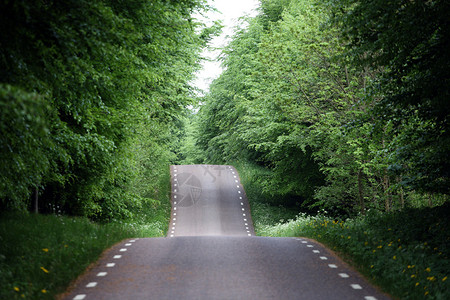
44	291
44	269
428	269
426	293
45	249
379	247
417	283
394	257
444	279
16	289
413	276
431	278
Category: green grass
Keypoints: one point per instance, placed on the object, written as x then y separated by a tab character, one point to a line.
41	254
265	208
406	253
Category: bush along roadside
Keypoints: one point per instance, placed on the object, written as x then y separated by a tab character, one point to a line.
41	254
406	253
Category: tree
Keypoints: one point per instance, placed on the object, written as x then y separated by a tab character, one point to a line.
409	42
86	78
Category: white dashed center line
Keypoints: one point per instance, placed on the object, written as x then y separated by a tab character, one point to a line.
79	297
102	274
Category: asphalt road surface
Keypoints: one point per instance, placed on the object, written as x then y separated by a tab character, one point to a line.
211	253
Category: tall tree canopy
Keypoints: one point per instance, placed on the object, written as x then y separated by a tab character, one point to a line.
89	93
345	102
408	41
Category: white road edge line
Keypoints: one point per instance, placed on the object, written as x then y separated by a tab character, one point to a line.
333	266
91	284
356	286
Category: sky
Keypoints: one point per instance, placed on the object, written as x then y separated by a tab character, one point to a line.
230	12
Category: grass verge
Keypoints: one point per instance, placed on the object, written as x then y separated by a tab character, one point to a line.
264	209
406	253
41	254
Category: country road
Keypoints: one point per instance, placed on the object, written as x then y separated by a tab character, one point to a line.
211	252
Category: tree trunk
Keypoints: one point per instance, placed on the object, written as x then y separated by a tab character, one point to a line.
402	198
36	201
387	194
360	193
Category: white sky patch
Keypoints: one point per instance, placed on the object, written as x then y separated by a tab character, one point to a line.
230	12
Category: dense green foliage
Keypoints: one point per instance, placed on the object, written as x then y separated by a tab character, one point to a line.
409	42
40	255
91	94
408	262
346	114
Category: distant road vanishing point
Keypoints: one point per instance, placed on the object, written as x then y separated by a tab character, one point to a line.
211	252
